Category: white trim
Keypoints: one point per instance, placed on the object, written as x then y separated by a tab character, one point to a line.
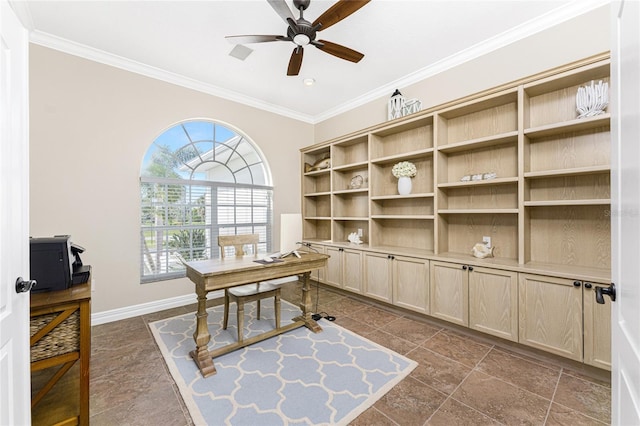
546	21
147	308
513	35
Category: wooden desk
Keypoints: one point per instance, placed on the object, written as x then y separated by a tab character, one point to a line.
219	274
63	323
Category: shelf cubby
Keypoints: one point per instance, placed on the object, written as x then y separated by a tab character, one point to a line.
317	206
569	188
384	183
501	159
351	151
501	196
317	229
553	99
415	234
351	204
577	235
395	141
342	227
316	183
343	177
458	233
491	115
415	205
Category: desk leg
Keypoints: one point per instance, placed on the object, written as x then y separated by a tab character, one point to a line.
201	354
305	305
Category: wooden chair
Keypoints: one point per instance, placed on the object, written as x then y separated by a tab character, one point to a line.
250	292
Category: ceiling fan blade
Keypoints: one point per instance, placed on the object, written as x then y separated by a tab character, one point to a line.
244	39
339	51
338	12
296	61
281	8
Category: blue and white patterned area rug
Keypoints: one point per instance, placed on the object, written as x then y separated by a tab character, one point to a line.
296	378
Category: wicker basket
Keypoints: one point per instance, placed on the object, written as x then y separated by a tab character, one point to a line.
62	339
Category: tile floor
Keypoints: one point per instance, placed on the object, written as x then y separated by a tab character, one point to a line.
461	379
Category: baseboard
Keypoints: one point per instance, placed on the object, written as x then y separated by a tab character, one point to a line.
147	308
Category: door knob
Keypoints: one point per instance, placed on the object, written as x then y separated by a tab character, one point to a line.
24	286
609	291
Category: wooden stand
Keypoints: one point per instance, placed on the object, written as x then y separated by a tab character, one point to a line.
68	313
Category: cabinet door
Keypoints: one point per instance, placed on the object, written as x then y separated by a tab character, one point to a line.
411	283
550	313
493	302
352	270
334	267
378	276
597	328
449	291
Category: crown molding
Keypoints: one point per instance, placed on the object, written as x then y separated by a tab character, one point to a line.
544	22
527	29
96	55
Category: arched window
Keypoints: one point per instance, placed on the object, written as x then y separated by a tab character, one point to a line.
200	179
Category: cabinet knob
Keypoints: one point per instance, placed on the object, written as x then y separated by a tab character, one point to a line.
393	257
470	268
388	256
577	283
588	285
464	267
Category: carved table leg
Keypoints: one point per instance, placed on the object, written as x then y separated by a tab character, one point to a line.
305	305
201	355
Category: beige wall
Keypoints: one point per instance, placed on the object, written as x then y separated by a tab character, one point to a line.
90	127
570	41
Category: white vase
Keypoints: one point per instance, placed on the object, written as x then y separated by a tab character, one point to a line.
404	185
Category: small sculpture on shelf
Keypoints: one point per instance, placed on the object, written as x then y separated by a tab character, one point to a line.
321	164
481	251
354	238
592	100
396	103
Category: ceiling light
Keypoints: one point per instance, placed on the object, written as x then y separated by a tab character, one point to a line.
301	39
309	81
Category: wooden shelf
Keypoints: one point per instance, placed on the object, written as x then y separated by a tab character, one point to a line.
478	143
594	202
403	216
318	172
402	197
576	125
496	181
403	156
318	194
351	166
351	218
568	172
478	211
351	191
317	218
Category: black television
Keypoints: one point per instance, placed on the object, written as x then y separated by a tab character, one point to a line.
51	263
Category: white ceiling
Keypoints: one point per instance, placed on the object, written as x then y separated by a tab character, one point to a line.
183	42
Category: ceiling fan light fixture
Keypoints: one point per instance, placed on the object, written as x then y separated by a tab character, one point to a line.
301	39
309	81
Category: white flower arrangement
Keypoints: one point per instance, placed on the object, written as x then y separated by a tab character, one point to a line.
404	169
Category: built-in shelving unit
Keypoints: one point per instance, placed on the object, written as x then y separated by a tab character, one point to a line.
515	164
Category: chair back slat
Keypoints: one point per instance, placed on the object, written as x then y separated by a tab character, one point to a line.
238	242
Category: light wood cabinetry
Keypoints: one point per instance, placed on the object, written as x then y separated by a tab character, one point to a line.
411	283
597	328
515	164
401	280
344	268
551	315
449	292
493	302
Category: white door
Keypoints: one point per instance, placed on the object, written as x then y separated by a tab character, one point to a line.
15	382
625	204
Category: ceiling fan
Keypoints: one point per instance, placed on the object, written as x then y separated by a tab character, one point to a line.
302	32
